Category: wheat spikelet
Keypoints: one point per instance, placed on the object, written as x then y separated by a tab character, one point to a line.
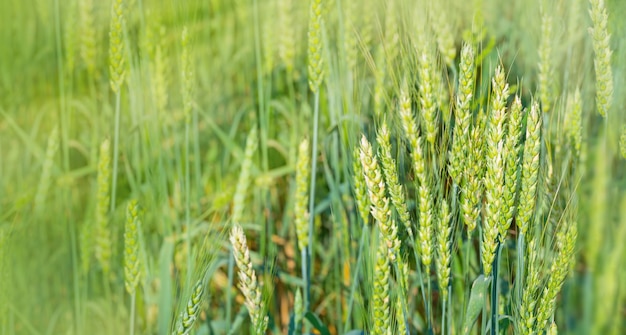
566	241
378	198
287	46
117	67
512	148
602	61
462	115
303	172
573	125
417	156
298	308
546	68
87	47
444	250
131	247
247	280
381	295
244	177
316	45
103	235
187	319
472	190
427	98
360	187
527	314
390	171
494	176
70	36
392	34
530	170
443	33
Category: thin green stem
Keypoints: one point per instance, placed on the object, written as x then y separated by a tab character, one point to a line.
495	291
316	112
132	313
116	140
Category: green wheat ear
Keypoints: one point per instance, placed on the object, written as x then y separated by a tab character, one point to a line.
117	68
303	171
316	45
189	316
602	61
102	233
131	247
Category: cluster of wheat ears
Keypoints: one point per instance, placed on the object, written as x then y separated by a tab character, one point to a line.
455	185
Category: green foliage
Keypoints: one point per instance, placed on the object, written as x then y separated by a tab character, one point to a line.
434	166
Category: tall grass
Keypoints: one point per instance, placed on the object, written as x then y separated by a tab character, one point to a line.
321	166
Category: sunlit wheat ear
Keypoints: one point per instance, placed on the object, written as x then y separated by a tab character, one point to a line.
244	176
378	198
546	68
512	147
360	187
602	61
494	176
315	50
424	241
530	170
573	125
381	296
248	280
303	172
87	33
390	170
117	52
131	247
46	171
462	115
189	316
103	235
565	243
472	190
444	250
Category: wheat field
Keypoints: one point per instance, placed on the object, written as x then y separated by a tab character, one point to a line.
312	167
